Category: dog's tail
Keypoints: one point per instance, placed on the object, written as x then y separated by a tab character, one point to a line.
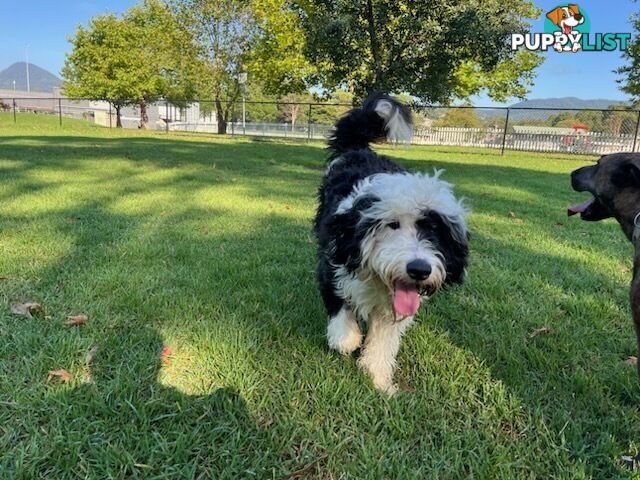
381	116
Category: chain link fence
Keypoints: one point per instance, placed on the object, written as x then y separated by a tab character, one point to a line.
584	131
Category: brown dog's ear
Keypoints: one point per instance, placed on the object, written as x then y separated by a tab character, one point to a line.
627	175
555	15
574	8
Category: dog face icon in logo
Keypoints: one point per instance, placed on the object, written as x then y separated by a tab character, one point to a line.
566	19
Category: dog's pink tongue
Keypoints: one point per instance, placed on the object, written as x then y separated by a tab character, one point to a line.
406	299
581	207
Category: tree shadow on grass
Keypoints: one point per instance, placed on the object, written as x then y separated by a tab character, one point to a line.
122	423
136	277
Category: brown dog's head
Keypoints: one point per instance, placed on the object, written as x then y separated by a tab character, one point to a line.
614	183
566	17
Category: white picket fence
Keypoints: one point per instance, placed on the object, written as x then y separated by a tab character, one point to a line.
585	143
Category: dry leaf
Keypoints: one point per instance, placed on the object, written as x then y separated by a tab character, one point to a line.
62	374
5	278
48	317
76	320
165	354
26	309
515	218
538	331
631	360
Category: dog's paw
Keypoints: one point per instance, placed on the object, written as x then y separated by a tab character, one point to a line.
558	47
343	333
576	47
346	344
390	389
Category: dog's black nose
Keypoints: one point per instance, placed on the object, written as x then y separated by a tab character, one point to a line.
577	16
418	269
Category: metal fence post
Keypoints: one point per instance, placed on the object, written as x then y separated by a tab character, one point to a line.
233	114
635	135
15	119
166	116
60	110
309	125
504	134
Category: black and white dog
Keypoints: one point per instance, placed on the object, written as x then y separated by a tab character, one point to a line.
387	238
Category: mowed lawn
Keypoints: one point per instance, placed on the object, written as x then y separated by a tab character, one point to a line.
203	246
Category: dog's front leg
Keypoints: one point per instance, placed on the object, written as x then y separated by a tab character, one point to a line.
635	300
343	332
380	349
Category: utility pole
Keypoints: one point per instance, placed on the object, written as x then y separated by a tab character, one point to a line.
26	54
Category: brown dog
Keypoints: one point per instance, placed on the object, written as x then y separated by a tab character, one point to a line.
614	183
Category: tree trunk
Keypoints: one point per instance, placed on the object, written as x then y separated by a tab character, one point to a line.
144	116
220	115
294	115
118	117
375	48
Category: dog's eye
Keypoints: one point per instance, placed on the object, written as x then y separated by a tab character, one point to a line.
394	225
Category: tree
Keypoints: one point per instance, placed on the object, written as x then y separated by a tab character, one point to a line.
435	50
259	37
459	117
95	68
165	64
293	106
630	73
135	59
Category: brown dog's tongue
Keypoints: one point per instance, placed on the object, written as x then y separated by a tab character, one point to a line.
579	208
406	299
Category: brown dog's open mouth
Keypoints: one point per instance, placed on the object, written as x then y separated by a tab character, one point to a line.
580	207
591	210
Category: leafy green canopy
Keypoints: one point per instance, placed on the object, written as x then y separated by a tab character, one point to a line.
435	50
139	57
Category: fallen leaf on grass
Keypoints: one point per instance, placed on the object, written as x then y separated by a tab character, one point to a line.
26	309
515	218
307	469
538	331
61	373
631	360
165	354
5	278
76	320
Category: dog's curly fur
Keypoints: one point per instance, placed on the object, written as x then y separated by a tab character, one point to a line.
387	238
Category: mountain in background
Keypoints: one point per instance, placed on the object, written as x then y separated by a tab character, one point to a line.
567	102
40	79
552	104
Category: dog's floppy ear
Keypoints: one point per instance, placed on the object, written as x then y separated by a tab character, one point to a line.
454	245
348	229
555	15
627	175
574	8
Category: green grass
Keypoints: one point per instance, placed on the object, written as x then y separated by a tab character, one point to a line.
205	245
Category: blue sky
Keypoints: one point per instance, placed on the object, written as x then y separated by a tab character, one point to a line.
45	25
